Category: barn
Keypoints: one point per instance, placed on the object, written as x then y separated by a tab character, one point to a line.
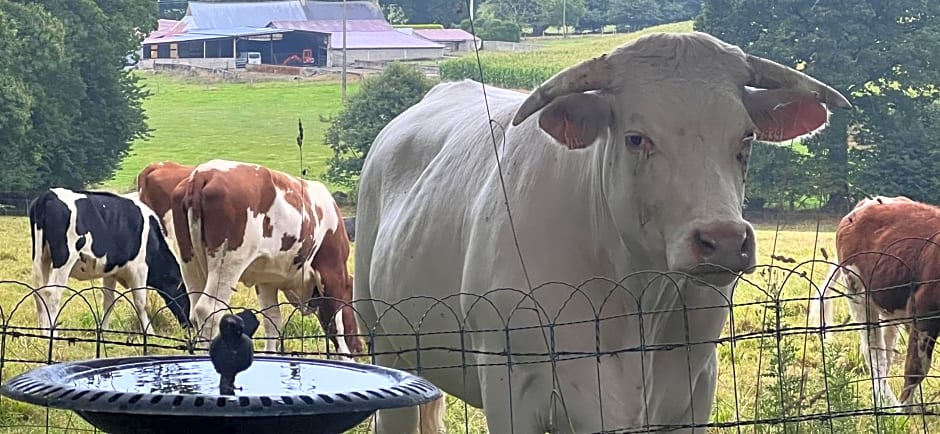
453	40
293	32
366	40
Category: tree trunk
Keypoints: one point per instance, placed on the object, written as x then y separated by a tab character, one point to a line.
836	144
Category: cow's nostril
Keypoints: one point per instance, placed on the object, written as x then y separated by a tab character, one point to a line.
706	245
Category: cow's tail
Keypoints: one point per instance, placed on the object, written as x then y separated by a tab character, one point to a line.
38	234
820	306
186	199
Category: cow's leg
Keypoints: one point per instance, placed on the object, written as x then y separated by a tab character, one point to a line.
271	311
138	288
49	297
226	269
890	335
871	347
920	342
424	419
334	312
108	296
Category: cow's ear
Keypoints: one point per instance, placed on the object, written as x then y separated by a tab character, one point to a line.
784	114
576	120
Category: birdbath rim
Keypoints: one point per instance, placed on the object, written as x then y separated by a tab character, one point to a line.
52	386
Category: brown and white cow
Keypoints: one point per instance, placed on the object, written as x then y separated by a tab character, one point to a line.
155	184
887	251
244	222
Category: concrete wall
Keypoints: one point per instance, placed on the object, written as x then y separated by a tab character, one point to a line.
197	62
384	54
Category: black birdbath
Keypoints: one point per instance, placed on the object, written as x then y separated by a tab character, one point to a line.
173	394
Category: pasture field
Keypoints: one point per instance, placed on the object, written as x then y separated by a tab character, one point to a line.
773	369
194	121
525	70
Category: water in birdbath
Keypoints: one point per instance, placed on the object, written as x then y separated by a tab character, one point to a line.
264	377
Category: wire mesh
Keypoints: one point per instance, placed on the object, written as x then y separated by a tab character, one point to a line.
777	371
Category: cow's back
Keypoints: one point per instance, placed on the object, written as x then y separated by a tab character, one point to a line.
155	184
890	245
425	170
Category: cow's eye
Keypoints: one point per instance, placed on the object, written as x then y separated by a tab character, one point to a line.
637	142
749	137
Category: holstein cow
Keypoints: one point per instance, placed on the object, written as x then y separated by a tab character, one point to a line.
155	184
243	222
89	235
634	160
887	254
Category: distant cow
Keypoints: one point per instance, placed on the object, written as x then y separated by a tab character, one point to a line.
155	184
243	222
88	235
888	254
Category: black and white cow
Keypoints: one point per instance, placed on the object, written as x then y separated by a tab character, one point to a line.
88	235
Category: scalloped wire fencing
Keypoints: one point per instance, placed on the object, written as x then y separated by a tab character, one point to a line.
777	373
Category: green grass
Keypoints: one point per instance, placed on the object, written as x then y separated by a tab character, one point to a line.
193	122
748	391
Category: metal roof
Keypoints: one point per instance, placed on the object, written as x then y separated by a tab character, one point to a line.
243	14
355	10
207	15
445	34
327	26
384	39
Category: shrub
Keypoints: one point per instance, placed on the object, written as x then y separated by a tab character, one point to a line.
493	29
379	100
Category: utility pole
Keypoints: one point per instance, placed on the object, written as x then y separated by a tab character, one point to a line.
344	51
471	10
564	18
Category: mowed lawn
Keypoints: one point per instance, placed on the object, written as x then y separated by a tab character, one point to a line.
748	369
195	121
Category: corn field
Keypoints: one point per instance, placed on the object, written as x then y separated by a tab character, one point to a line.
526	70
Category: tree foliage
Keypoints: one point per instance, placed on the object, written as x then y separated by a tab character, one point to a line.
380	99
492	29
69	110
883	55
446	12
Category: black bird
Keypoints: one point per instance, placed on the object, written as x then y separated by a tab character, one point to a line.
231	351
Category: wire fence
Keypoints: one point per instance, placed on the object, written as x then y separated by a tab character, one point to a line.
777	371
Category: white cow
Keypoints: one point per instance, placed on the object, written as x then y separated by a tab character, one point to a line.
631	161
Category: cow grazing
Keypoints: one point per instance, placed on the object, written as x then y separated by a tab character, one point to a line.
155	184
243	222
89	235
631	161
887	251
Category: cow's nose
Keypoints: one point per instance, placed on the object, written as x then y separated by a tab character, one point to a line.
728	245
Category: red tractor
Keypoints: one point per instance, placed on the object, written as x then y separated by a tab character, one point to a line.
295	60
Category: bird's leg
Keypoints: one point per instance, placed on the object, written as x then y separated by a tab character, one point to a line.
227	385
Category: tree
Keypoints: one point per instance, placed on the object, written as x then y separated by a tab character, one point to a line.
554	12
446	12
634	14
70	110
380	99
517	11
880	54
596	15
492	29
